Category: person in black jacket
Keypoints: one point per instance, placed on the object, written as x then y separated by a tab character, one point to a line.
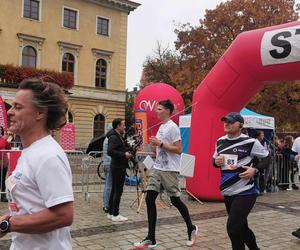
119	162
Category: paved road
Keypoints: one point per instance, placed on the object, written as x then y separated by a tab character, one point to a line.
273	218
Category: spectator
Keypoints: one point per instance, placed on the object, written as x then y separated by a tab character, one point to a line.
16	142
288	168
275	152
275	145
107	171
263	173
280	143
119	162
296	149
40	188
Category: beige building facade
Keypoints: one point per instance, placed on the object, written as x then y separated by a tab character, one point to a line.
85	37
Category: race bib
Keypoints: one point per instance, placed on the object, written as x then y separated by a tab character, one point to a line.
229	159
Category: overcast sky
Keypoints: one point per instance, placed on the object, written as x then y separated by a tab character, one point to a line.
154	21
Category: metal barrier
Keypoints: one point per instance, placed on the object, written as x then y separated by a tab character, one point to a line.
285	171
93	173
75	158
280	174
88	172
94	176
9	159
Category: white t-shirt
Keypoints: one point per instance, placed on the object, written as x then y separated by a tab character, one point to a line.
296	148
42	179
167	133
296	145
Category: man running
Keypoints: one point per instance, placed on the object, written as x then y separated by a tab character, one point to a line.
234	156
164	173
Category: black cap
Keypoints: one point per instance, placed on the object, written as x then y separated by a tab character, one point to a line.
233	117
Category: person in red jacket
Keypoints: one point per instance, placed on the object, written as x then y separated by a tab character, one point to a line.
4	145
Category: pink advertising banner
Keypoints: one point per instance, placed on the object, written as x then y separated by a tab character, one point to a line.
67	137
3	116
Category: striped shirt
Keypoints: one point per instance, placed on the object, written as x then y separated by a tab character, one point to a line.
243	149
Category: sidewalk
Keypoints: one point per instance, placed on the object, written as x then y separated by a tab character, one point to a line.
273	219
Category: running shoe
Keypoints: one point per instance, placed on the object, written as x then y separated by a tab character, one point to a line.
296	233
118	218
192	238
146	243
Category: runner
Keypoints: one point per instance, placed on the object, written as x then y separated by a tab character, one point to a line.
234	156
164	173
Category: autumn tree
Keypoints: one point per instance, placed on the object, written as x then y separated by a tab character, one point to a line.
160	66
281	101
200	47
129	104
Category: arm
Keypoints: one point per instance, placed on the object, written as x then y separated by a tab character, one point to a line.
260	152
263	163
113	143
176	147
44	221
217	161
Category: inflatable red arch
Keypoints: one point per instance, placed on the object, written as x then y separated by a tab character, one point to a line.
254	58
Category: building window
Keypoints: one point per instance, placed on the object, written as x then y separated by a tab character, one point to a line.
68	63
70	18
31	9
29	57
101	70
102	26
70	117
99	125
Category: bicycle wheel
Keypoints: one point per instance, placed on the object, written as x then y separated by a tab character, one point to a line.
100	171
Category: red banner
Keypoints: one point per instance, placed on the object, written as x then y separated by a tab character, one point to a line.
141	125
67	137
3	115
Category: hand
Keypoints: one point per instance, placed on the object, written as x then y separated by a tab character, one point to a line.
250	172
220	160
232	167
297	158
128	155
154	141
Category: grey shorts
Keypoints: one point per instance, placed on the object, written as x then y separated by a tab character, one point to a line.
159	180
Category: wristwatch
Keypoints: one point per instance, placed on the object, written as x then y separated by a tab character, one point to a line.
5	225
